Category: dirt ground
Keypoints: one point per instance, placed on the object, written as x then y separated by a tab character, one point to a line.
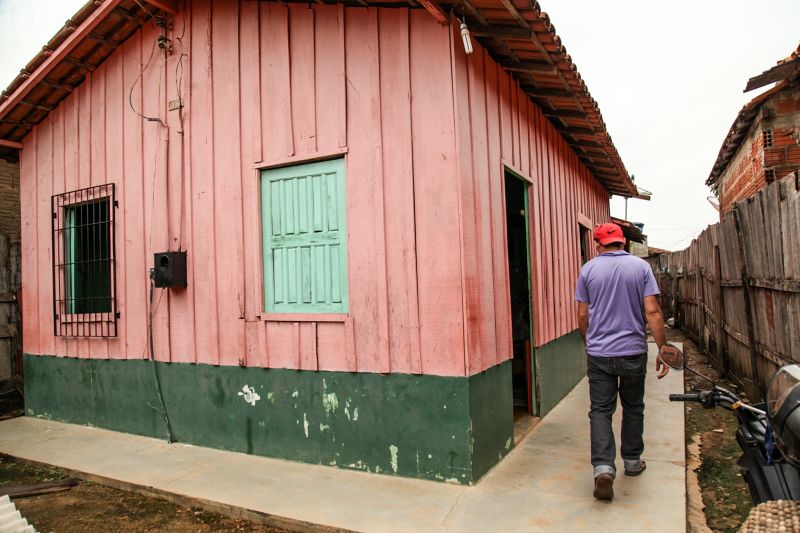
92	507
725	495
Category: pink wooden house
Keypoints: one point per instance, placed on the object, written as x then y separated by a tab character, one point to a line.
321	232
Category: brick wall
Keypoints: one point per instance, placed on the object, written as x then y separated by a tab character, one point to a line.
757	163
9	199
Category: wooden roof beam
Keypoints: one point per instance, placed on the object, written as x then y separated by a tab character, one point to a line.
434	9
36	105
60	53
590	144
80	64
577	130
103	40
509	5
58	85
564	113
547	93
11	144
167	6
474	13
124	13
502	32
532	66
599	164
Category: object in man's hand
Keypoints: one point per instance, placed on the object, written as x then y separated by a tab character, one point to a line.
671	356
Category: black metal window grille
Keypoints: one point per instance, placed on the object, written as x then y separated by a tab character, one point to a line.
84	273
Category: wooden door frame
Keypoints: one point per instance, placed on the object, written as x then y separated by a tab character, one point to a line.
530	360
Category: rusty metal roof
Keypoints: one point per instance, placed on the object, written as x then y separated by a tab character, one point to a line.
785	72
516	33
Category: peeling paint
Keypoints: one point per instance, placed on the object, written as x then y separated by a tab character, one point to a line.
250	395
323	427
508	443
452	481
355	415
393	452
330	402
271	397
430	456
305	424
295	394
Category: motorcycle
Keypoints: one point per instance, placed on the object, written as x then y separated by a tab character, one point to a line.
768	432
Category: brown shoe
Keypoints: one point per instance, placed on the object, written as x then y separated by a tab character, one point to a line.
604	487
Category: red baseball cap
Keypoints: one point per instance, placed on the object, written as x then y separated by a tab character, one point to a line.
607	233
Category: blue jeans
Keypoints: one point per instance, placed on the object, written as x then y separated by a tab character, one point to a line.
609	376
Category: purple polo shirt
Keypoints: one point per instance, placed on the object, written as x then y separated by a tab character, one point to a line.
614	284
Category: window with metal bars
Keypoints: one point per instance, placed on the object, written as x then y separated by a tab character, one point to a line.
84	278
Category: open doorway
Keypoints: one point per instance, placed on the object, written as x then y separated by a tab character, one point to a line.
523	371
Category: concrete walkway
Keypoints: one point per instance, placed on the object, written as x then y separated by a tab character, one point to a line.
545	483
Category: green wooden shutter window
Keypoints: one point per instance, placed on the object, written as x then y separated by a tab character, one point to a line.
303	216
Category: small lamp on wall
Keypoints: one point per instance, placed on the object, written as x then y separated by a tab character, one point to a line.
465	37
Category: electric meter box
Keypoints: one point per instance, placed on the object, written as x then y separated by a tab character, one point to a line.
169	270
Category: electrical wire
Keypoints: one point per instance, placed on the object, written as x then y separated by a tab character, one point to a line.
163	409
142	70
178	90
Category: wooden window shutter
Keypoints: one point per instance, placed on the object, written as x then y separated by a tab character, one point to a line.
304	230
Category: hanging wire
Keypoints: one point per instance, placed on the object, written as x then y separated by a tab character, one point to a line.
163	409
142	70
178	89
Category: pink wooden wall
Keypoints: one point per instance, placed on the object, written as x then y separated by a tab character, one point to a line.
293	83
499	126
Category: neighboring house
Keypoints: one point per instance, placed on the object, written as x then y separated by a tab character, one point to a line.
763	143
380	230
9	198
10	345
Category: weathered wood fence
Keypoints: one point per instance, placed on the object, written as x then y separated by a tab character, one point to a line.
10	330
736	288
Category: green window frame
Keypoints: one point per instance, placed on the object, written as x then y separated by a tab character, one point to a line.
87	247
304	234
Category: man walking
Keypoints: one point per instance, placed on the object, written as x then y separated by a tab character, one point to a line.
616	294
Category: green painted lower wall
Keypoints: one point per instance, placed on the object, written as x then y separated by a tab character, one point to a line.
560	365
444	428
492	417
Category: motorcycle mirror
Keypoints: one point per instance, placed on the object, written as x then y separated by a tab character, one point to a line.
672	356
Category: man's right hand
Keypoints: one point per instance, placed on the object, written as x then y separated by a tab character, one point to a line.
661	369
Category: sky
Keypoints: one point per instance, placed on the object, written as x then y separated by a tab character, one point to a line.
668	77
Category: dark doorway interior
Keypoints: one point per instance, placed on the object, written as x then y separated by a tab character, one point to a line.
584	240
523	373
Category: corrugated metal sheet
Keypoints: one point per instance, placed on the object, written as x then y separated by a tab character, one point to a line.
11	520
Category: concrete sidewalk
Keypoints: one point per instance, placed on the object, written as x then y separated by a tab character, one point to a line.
544	484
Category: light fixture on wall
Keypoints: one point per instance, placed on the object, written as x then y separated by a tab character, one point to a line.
465	37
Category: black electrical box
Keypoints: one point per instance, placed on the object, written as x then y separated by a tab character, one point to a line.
169	270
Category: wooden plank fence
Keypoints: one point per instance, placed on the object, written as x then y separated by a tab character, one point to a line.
736	288
10	341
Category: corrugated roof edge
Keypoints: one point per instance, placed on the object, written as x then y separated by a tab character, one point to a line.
593	106
562	61
61	35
